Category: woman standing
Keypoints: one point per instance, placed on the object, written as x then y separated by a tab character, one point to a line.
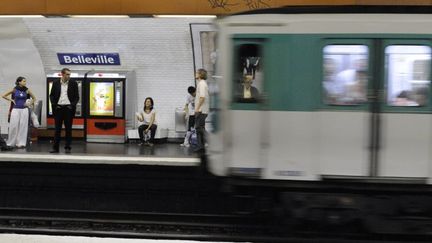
19	120
148	118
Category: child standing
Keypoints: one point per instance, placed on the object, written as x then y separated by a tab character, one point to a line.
190	112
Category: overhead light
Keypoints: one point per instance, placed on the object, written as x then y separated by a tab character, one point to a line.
140	16
21	16
98	16
184	16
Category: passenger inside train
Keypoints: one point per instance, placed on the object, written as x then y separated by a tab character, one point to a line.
246	92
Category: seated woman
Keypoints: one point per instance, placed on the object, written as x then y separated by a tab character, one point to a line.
148	118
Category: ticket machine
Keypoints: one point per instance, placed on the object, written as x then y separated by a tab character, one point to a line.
78	121
106	107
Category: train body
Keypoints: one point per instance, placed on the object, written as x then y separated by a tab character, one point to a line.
337	130
341	95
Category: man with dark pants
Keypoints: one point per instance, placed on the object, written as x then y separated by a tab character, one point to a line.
64	97
201	108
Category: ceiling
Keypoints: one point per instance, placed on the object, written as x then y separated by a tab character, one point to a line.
169	7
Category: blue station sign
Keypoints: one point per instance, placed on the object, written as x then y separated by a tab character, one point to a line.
89	58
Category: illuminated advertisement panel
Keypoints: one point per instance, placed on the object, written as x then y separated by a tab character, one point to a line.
101	99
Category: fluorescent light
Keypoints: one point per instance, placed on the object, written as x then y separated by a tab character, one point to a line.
98	16
21	16
184	16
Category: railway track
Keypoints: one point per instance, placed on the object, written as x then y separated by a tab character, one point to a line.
138	225
206	227
161	203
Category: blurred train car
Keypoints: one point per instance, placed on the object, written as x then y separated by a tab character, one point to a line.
341	105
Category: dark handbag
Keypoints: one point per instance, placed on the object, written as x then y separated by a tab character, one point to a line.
10	111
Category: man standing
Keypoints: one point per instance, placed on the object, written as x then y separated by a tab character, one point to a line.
201	108
64	97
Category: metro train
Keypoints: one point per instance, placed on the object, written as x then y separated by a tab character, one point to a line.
343	106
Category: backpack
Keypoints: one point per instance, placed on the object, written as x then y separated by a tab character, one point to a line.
193	139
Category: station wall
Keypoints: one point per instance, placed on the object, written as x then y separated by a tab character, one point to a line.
18	57
158	50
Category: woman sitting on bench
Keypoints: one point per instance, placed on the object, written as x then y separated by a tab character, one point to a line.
148	118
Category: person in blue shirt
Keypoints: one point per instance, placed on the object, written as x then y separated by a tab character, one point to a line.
19	120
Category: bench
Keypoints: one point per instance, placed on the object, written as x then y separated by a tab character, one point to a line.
160	137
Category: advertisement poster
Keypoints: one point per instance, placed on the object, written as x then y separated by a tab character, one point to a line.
101	98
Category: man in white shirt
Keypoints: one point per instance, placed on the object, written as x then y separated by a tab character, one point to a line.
201	108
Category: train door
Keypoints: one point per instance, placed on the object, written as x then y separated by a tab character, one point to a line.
405	121
344	120
247	127
375	120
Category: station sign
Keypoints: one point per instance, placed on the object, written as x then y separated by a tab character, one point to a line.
89	58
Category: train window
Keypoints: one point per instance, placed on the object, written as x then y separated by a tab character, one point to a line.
345	74
248	78
407	75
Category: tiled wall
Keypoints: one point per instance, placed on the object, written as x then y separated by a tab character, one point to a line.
159	50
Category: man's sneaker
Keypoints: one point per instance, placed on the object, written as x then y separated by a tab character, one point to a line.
150	144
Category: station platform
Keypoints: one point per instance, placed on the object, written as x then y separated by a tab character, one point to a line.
169	154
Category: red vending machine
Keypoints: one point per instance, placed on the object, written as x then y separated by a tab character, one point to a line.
106	107
78	122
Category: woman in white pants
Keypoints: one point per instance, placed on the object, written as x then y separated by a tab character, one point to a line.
19	120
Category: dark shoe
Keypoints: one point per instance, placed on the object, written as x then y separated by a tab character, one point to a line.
199	150
68	150
6	148
54	151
